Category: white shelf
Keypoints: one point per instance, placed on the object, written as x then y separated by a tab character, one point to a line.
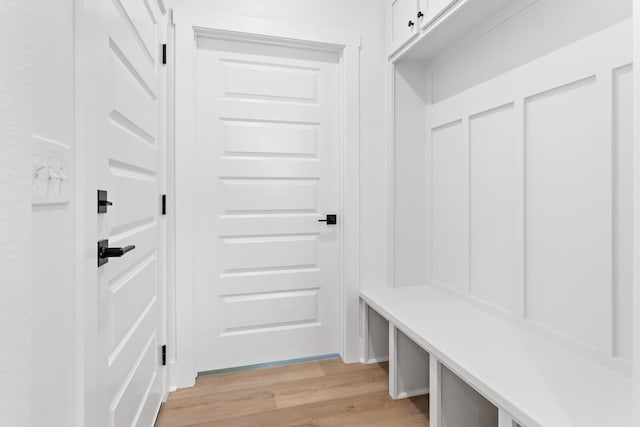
537	382
458	21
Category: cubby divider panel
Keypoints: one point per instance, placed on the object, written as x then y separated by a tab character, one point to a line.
378	337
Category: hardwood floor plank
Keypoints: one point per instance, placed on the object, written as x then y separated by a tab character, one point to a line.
337	366
215	406
335	386
250	379
374	409
323	393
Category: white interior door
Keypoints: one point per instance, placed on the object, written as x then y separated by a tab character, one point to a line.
121	83
267	134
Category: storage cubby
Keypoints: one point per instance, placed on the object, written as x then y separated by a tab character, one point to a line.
378	337
408	366
462	406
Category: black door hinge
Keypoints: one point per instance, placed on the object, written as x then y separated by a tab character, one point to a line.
164	355
164	54
164	204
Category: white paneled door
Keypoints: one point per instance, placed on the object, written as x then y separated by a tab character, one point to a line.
267	268
121	83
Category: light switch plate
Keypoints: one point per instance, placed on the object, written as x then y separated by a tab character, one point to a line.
51	179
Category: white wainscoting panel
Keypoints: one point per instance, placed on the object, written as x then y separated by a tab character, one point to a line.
568	209
531	176
449	195
493	182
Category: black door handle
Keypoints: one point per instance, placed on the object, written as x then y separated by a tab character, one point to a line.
331	220
410	24
117	252
105	252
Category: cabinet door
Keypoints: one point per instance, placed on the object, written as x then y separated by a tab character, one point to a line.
404	22
435	8
423	13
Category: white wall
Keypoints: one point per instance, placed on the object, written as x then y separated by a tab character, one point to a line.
531	195
53	226
36	292
520	40
365	17
16	290
410	177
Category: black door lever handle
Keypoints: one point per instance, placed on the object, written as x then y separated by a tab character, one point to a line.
105	252
331	220
117	252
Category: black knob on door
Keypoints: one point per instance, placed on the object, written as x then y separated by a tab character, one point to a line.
105	252
411	24
420	14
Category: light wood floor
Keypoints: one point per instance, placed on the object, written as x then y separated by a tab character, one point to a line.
322	393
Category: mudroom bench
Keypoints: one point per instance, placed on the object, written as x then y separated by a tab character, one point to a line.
481	370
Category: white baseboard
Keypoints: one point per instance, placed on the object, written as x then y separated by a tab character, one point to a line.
377	360
413	393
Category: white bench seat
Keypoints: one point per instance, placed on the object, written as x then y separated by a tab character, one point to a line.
537	382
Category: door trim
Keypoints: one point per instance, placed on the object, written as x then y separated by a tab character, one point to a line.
188	25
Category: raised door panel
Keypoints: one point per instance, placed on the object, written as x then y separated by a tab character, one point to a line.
401	13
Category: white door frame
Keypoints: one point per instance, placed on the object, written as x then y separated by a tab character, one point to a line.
636	213
189	24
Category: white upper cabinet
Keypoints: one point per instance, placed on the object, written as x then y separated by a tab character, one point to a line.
404	25
409	18
421	28
431	9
